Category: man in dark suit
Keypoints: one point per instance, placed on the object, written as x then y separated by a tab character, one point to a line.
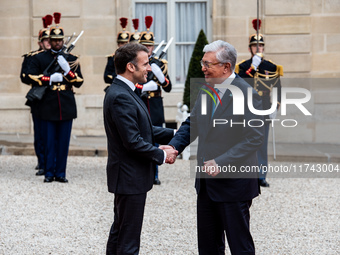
132	156
224	198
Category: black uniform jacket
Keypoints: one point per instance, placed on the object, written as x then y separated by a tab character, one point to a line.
110	70
266	77
153	99
25	78
58	103
25	64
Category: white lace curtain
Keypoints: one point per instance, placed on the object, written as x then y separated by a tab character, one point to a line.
189	18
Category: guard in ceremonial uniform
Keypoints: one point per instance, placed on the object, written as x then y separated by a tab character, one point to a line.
122	38
263	75
43	42
157	81
57	107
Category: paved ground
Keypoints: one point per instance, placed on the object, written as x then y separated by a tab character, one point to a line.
293	216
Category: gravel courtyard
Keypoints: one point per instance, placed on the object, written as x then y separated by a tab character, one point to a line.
293	216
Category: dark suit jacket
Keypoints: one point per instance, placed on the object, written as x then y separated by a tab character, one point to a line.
132	156
228	145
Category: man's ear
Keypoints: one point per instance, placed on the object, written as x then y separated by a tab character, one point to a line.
130	67
227	67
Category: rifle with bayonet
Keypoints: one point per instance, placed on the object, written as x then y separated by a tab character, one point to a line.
54	66
158	60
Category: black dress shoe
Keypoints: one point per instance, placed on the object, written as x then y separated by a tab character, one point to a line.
48	179
37	167
156	181
61	179
264	183
40	172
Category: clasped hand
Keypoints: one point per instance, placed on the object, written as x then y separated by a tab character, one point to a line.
256	61
63	64
171	153
56	77
211	168
157	71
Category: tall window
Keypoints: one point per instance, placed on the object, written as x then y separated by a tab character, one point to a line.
180	19
159	13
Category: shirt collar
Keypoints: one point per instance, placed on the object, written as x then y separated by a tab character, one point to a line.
229	79
129	83
226	82
56	52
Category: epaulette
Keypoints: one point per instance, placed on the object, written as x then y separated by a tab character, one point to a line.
164	61
237	66
74	55
108	56
36	52
279	68
29	53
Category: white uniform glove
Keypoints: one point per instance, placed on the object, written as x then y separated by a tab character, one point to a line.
149	86
56	77
256	61
63	64
273	115
157	71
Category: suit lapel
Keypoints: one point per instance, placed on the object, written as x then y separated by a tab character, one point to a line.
135	96
227	99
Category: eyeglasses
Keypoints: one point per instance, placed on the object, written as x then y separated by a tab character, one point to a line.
207	64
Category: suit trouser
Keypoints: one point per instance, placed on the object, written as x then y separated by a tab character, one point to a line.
262	153
38	141
216	218
56	141
124	236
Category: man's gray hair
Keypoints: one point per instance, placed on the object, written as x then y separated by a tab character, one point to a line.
225	52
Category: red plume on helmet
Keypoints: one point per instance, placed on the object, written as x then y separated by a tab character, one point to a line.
48	19
255	24
44	33
56	32
44	22
135	24
148	22
123	22
57	16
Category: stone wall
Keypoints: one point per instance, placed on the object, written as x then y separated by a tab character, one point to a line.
304	38
301	35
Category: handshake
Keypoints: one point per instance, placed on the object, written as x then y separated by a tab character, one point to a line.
171	153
